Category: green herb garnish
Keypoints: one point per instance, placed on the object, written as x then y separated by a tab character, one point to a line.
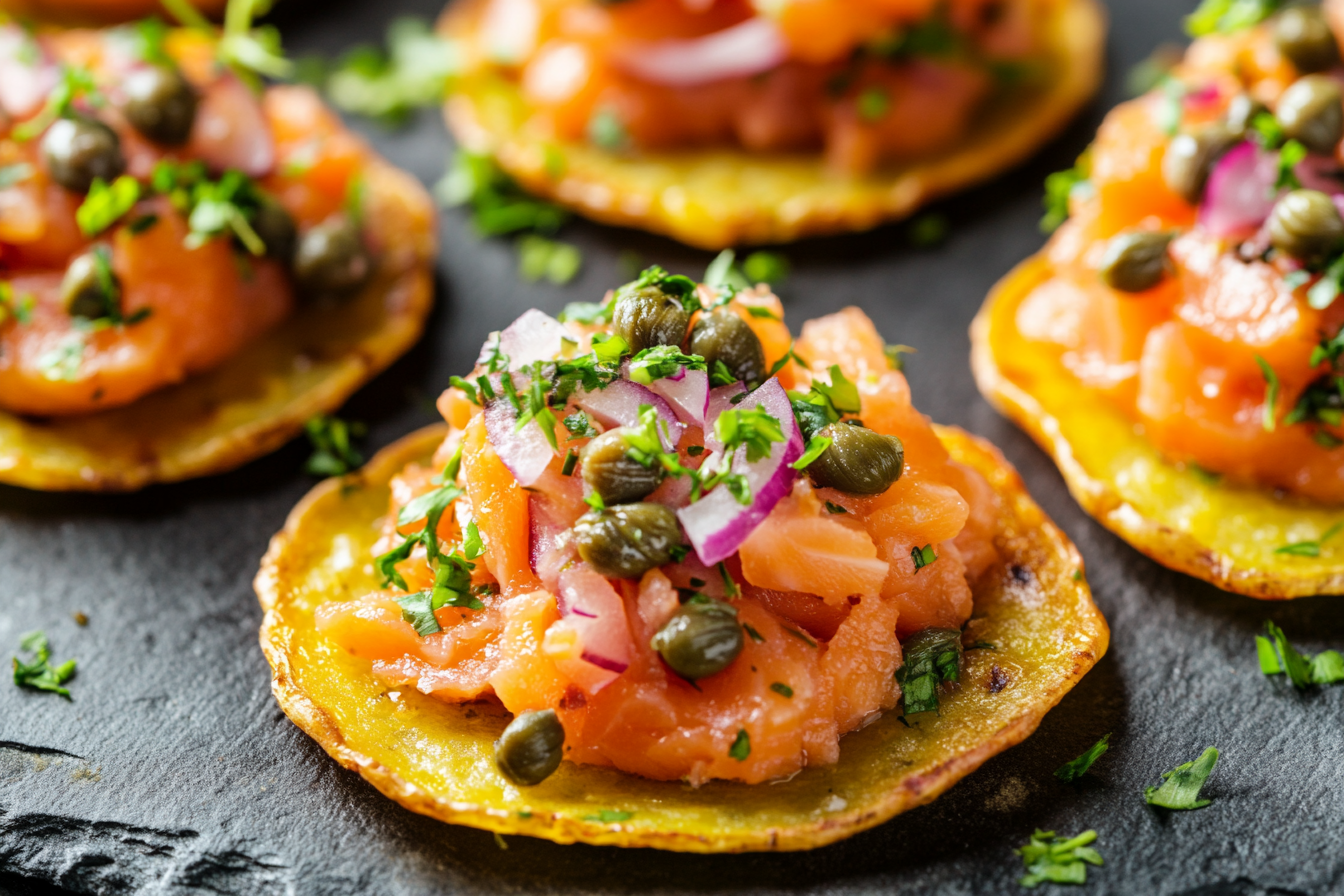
741	747
1051	860
782	689
38	673
333	452
415	71
931	657
1061	188
1181	787
542	258
1075	769
922	557
1278	657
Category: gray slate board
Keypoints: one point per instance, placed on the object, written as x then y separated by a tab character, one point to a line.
173	771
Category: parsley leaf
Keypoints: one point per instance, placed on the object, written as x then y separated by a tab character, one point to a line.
753	428
928	230
724	275
1075	769
579	426
931	657
1181	788
1227	16
766	267
38	673
842	393
499	206
1272	387
662	361
755	635
741	747
1051	860
542	258
1310	548
106	203
1061	188
333	453
816	447
415	71
922	557
609	816
895	355
782	689
1278	657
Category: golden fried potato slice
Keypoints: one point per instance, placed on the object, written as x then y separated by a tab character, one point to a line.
1180	516
723	197
260	398
437	759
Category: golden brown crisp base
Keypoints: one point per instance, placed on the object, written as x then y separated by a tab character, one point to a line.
1179	516
260	398
714	199
97	12
437	758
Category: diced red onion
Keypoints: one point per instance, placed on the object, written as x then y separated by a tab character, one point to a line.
618	405
596	612
24	83
526	452
1240	194
748	48
1204	98
687	393
717	524
536	336
231	130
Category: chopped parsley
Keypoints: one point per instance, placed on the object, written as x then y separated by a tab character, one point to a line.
106	203
61	363
873	104
928	230
753	429
896	355
782	689
825	403
213	208
753	634
610	816
38	673
571	461
1075	769
1272	387
662	361
415	71
1278	657
1061	188
249	51
1052	860
835	508
741	747
541	258
579	426
333	453
800	635
607	131
75	83
922	557
816	447
766	267
1227	16
1310	548
1181	787
931	657
19	307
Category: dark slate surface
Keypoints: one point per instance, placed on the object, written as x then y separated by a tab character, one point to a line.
174	772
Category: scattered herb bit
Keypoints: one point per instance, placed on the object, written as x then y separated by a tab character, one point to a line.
766	267
579	426
761	312
75	83
1072	771
782	689
39	674
247	50
724	275
873	104
586	313
542	258
594	500
333	453
607	131
801	636
1061	188
988	645
1051	860
499	841
896	355
1310	548
729	586
61	363
571	461
1291	155
661	361
1173	105
106	203
929	230
1278	657
1181	788
415	71
922	557
19	307
931	657
835	508
816	447
741	747
753	634
695	450
609	816
1151	72
755	429
1227	16
1271	392
213	207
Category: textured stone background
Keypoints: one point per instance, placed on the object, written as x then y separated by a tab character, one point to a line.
174	772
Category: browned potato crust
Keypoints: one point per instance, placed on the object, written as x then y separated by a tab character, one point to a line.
436	758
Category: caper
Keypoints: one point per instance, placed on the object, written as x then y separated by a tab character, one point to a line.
613	474
89	287
530	749
700	640
160	103
275	228
1241	114
1190	158
1304	37
859	461
330	258
1311	113
723	336
1136	261
648	317
628	540
1306	225
79	149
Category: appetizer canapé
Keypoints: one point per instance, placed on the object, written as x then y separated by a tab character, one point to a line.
677	549
86	12
727	121
190	265
1177	345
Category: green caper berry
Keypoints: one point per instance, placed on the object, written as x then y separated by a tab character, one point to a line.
1241	113
276	229
531	747
649	317
1304	38
160	103
1190	158
700	640
859	461
1306	225
330	259
1136	261
613	474
77	150
723	336
1311	113
83	292
628	540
